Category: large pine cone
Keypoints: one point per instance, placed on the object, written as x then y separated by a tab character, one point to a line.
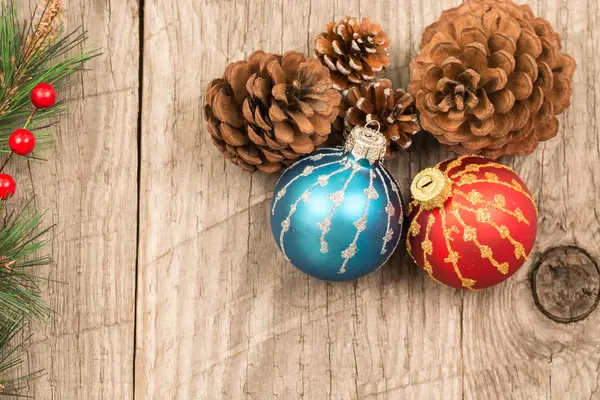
377	100
490	79
354	52
270	109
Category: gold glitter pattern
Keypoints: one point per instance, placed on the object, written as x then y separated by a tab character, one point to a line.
413	230
454	164
470	234
499	200
505	234
412	205
453	256
520	216
502	229
476	198
491	177
466	176
427	247
470	179
467	179
477	167
483	215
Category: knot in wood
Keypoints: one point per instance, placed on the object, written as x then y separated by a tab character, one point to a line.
566	284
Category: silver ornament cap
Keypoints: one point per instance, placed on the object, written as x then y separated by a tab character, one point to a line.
366	143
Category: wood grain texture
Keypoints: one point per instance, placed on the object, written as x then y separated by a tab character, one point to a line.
89	187
220	313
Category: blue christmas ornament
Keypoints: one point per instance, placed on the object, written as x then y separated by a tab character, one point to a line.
337	214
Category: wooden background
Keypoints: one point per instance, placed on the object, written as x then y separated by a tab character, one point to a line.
171	286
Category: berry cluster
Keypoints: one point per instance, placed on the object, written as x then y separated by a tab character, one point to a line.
22	141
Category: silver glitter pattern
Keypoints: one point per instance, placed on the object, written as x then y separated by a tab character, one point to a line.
285	225
307	171
390	209
388	236
395	188
371	193
397	191
346	255
337	198
323	180
360	224
390	212
305	197
324	226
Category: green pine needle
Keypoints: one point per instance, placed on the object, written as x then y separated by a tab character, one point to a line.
30	54
20	242
11	326
27	60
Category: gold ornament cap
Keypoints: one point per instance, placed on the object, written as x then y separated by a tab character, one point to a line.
366	143
431	188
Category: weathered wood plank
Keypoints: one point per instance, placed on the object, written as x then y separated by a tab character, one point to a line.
222	315
506	336
89	187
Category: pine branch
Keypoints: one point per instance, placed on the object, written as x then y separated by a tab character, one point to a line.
38	52
29	55
11	326
20	241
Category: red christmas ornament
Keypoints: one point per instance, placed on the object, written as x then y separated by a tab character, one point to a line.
22	142
43	96
473	222
8	186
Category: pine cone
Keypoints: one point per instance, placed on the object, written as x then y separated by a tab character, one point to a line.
353	52
377	100
270	109
490	79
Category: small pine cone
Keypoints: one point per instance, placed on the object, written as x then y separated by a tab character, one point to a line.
490	79
377	100
268	110
354	52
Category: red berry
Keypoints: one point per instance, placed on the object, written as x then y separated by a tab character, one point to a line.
7	186
22	142
43	95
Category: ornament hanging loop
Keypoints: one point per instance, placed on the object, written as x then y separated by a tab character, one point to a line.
366	143
374	121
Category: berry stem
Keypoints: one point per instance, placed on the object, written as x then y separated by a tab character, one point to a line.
30	117
37	158
6	161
